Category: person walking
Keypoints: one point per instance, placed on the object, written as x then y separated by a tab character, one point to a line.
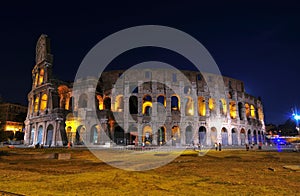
220	146
216	146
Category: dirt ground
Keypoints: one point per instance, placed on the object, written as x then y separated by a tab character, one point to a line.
238	172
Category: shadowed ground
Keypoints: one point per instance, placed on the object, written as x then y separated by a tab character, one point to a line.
238	172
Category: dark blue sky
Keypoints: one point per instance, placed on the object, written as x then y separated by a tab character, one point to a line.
257	42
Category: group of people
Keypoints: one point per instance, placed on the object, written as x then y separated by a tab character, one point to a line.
218	146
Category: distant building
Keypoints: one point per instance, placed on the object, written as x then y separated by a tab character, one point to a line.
12	117
58	113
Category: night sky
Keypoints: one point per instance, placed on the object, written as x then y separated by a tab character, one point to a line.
256	42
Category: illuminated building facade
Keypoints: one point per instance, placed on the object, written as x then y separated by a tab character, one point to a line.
12	116
141	112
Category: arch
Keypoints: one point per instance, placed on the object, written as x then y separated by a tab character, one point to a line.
175	135
49	136
249	137
260	114
161	139
175	103
99	103
94	134
241	113
36	104
187	90
119	135
147	105
83	101
147	135
259	136
36	80
189	135
70	135
252	111
254	137
211	104
213	135
247	110
133	135
41	76
234	136
71	101
242	136
232	109
32	135
119	104
162	100
80	135
224	134
202	135
201	106
40	135
189	106
223	107
107	103
44	102
133	104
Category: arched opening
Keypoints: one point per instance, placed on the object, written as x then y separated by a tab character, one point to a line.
40	135
99	103
249	137
234	136
175	103
211	104
201	106
44	102
119	104
32	135
71	101
63	92
36	80
241	114
36	104
247	110
224	134
223	107
242	136
147	135
41	76
189	135
94	134
133	105
80	135
147	105
252	111
161	100
254	137
107	103
70	135
213	135
119	135
202	135
189	106
161	139
232	108
133	135
187	90
259	136
260	114
175	135
49	137
83	101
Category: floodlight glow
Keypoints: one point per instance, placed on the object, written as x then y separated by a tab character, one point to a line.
297	117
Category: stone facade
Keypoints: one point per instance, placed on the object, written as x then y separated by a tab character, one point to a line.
172	111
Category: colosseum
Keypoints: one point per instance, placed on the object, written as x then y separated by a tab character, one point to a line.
178	111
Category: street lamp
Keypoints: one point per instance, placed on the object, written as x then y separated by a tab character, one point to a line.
297	118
